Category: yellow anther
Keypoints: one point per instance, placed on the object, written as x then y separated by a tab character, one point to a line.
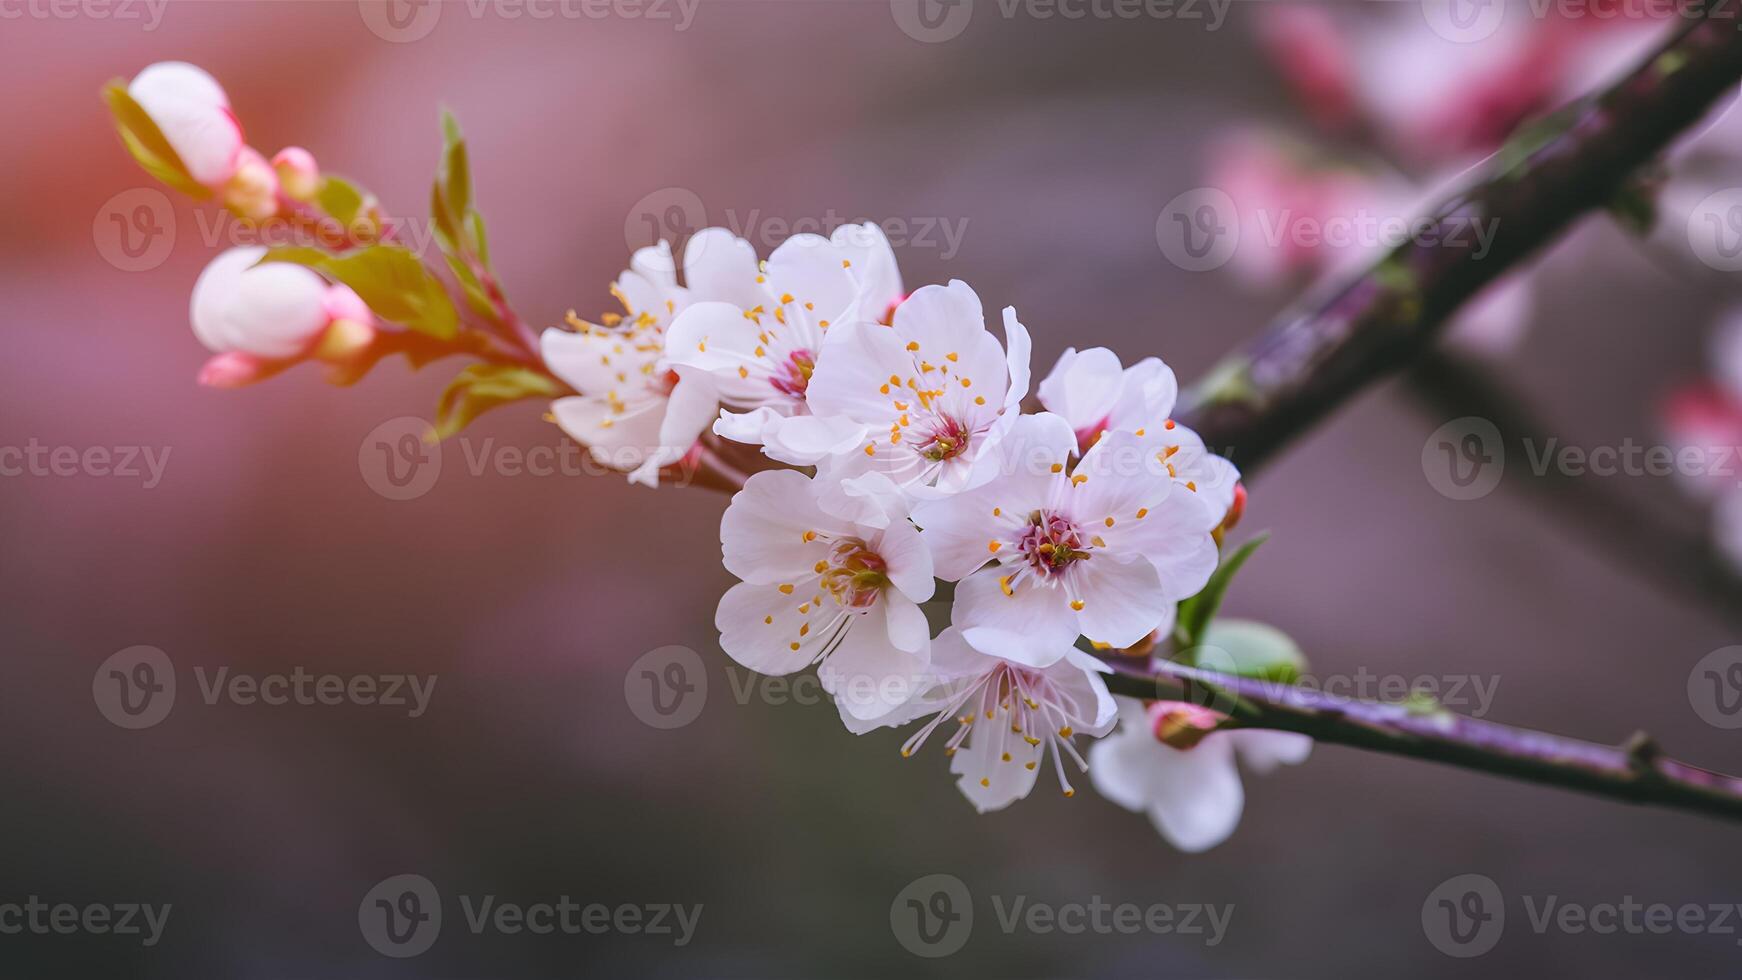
786	589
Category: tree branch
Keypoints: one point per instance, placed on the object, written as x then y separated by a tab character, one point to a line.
1634	772
1676	558
1313	360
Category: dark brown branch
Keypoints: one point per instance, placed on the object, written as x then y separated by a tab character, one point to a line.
1313	360
1676	557
1634	772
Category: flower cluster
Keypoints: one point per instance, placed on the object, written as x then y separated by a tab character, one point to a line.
884	433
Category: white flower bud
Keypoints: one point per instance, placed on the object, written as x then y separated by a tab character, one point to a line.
193	112
272	311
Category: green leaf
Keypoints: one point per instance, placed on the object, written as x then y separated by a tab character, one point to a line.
1196	613
340	198
482	387
147	143
391	279
1249	649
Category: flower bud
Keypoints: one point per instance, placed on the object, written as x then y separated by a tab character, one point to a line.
271	311
192	111
252	191
1182	725
298	173
232	370
350	326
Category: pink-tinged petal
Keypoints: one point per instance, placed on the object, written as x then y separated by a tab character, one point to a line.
764	531
720	267
745	427
1146	396
989	780
714	337
692	406
1019	350
590	362
1078	678
873	264
1123	767
191	109
908	629
805	440
867	498
1202	803
640	295
655	265
1083	387
1033	626
809	267
908	559
1262	751
272	311
759	628
622	440
853	370
959	531
868	675
941	318
1122	600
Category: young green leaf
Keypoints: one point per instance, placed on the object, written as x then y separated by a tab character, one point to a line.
147	143
482	387
391	279
1248	649
1196	613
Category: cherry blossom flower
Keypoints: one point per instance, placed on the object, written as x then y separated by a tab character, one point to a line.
1192	794
1044	553
1096	394
1012	716
820	589
635	412
279	311
916	408
763	346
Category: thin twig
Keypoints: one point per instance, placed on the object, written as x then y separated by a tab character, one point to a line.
1633	772
1313	360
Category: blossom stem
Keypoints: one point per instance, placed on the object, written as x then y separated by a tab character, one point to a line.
1315	358
1635	771
1675	556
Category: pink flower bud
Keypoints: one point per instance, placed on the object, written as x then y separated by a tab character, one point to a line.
232	370
252	191
193	112
1180	724
298	173
271	311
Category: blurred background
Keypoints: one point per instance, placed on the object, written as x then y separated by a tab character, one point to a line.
1034	155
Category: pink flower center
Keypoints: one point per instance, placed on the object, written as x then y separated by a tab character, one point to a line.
794	376
946	437
856	575
1050	543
